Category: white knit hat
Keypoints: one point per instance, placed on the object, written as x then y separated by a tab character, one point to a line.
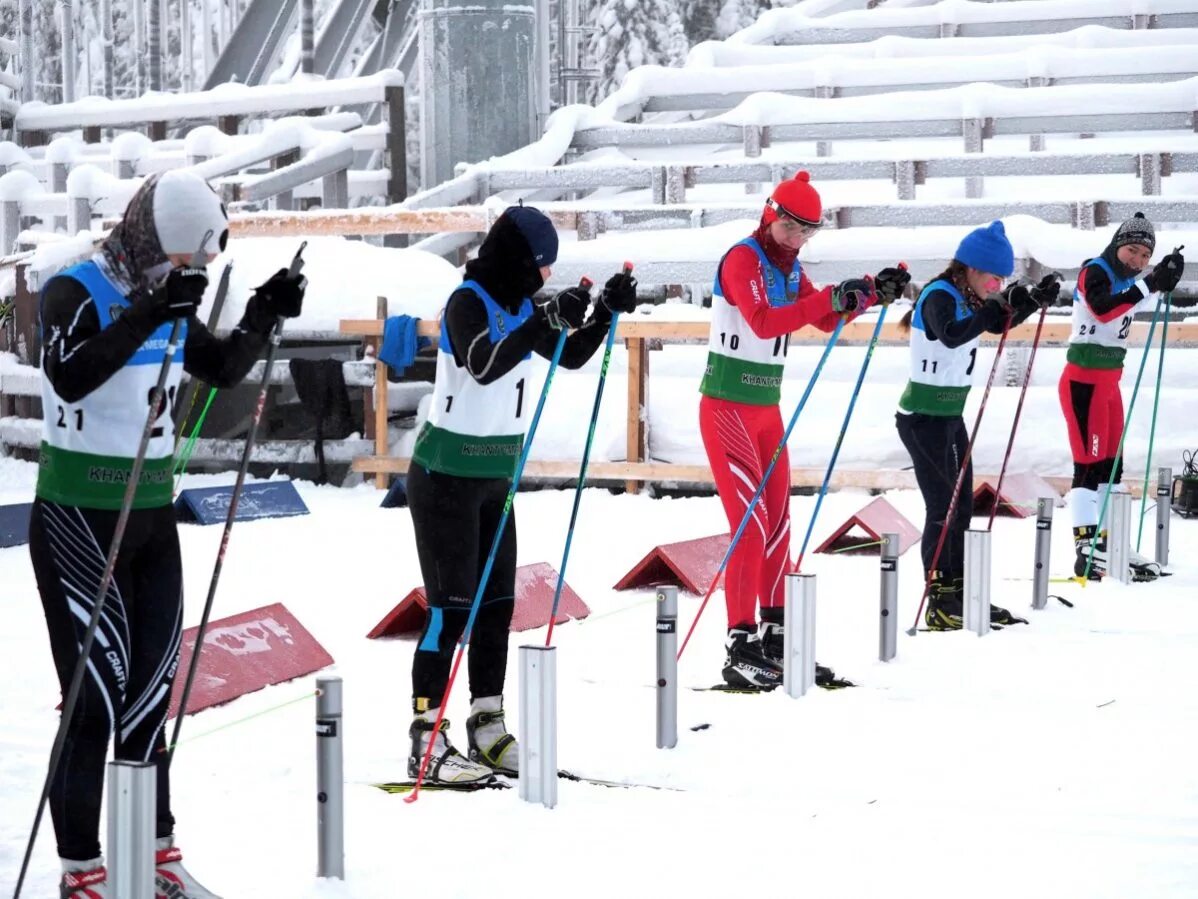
185	209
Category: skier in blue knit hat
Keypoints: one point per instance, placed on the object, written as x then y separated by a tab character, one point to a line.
948	320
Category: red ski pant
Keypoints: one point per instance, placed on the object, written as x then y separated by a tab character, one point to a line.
1093	407
740	439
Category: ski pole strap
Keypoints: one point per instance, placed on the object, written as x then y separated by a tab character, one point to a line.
188	448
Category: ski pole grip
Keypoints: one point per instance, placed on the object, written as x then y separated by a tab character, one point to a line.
585	283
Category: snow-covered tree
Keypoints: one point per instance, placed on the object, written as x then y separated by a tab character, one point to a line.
631	33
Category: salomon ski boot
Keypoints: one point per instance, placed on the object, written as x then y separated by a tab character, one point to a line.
747	665
773	643
490	742
447	765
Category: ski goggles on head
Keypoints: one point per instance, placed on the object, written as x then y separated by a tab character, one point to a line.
790	222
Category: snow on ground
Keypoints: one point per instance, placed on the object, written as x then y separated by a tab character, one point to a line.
1043	761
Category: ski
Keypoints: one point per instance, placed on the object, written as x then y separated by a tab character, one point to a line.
502	782
406	786
828	682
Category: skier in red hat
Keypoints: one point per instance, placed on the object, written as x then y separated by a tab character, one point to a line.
760	296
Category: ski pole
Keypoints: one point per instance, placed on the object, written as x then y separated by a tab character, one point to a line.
157	408
769	469
1106	498
1156	401
582	473
1027	380
297	263
823	490
952	503
495	541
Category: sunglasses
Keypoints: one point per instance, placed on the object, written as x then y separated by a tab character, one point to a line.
790	223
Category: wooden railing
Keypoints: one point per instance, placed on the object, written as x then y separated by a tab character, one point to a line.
638	337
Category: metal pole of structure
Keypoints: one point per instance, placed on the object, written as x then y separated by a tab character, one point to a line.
1118	540
132	825
139	45
667	667
206	43
186	44
154	45
307	37
538	724
798	644
1044	508
107	38
543	103
563	96
330	779
26	13
1164	499
164	27
976	612
888	623
67	24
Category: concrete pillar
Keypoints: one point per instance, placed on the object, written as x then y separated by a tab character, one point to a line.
477	82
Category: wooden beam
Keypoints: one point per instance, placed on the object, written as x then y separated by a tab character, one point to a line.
638	402
1184	333
386	220
664	472
381	446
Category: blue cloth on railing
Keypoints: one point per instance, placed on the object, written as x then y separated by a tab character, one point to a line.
400	342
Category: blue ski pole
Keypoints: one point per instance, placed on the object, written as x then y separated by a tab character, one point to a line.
582	473
495	541
764	480
873	341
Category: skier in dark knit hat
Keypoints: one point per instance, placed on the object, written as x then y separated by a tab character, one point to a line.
105	326
462	467
947	322
761	294
1110	288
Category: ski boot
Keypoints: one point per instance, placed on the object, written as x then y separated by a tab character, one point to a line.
773	636
84	880
944	610
171	879
447	765
490	742
747	665
1083	537
1142	567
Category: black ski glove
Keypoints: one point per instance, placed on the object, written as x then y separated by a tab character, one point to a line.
994	312
566	309
282	294
1166	274
619	294
890	283
853	295
179	296
1019	298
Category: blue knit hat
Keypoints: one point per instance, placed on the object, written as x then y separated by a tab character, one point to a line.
988	250
537	231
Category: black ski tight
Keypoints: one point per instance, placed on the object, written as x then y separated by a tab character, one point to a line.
937	445
133	659
455	520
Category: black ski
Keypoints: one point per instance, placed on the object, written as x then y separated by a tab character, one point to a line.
501	782
406	786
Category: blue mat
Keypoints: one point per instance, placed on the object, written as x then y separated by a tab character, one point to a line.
210	505
14	524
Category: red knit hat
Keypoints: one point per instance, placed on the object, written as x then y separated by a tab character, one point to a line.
796	199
